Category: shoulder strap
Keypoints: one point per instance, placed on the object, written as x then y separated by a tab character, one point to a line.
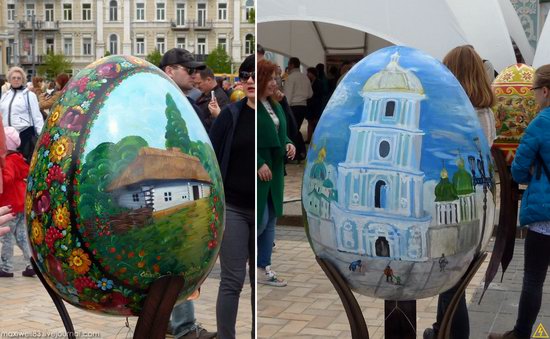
29	108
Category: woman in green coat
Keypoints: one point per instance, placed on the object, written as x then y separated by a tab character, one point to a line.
273	145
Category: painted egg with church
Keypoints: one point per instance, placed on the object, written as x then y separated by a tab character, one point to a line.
514	108
124	188
398	187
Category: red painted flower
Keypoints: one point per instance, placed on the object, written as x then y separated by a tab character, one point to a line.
109	70
52	234
73	119
212	244
45	140
55	173
80	83
55	268
81	283
42	202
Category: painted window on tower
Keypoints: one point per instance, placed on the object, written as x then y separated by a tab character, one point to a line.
390	108
380	194
384	149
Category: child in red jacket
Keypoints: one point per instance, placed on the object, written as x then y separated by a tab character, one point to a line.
14	174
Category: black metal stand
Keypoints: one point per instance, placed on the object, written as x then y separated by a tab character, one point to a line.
400	316
155	314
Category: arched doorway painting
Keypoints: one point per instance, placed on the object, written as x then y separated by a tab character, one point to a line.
382	247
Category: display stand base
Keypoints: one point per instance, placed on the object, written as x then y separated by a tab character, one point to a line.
155	314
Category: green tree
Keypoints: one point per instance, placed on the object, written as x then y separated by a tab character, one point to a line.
154	57
54	64
177	134
219	61
252	16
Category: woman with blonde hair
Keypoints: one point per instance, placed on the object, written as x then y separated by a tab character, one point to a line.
467	66
19	108
530	166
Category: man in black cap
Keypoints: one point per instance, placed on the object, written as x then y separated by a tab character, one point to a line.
179	65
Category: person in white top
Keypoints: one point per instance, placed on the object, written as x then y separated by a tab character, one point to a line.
20	109
297	90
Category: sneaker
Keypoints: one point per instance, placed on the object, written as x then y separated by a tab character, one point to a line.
28	272
199	333
268	277
4	274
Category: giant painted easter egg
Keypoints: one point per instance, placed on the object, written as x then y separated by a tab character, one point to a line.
124	188
398	184
515	106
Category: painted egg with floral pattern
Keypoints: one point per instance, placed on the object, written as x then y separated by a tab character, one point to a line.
124	188
514	108
398	186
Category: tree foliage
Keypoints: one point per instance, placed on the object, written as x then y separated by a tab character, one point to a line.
219	61
177	134
54	64
252	16
154	57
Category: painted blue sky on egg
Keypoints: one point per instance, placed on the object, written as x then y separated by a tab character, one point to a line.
447	117
137	107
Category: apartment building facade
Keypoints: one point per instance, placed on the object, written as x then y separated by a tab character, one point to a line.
85	30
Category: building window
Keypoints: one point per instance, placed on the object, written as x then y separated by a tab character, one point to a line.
161	44
140	11
68	12
9	52
113	44
48	12
390	109
167	196
249	9
181	42
384	149
86	12
68	45
30	11
50	45
87	46
113	10
180	14
222	42
249	44
140	45
222	11
11	12
201	45
135	197
201	14
161	11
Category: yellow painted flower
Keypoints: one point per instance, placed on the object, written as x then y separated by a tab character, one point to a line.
60	149
28	202
54	117
79	261
61	217
37	232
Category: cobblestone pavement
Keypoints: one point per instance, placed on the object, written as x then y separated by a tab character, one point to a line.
26	310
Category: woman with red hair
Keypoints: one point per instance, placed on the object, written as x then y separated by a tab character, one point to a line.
46	102
273	145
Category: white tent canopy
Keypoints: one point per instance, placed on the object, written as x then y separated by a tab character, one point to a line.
542	55
516	31
429	25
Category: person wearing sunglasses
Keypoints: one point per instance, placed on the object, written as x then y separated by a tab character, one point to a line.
179	64
232	137
530	166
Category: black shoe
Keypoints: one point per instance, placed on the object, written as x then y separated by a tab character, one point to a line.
28	272
199	333
4	274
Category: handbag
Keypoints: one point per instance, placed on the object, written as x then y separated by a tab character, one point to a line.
28	136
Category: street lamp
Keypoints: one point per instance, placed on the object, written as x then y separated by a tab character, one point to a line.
35	25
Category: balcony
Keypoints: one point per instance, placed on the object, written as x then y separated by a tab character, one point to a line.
202	25
39	25
200	57
185	27
27	59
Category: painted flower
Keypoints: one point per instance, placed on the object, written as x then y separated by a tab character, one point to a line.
28	203
45	140
79	261
136	61
37	233
109	70
80	83
91	305
54	117
42	202
74	119
60	149
81	283
105	284
55	268
52	234
61	217
55	173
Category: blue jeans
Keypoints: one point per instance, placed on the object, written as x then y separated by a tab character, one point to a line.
266	235
183	319
18	235
537	259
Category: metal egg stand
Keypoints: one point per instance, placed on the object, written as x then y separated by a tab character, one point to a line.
155	314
